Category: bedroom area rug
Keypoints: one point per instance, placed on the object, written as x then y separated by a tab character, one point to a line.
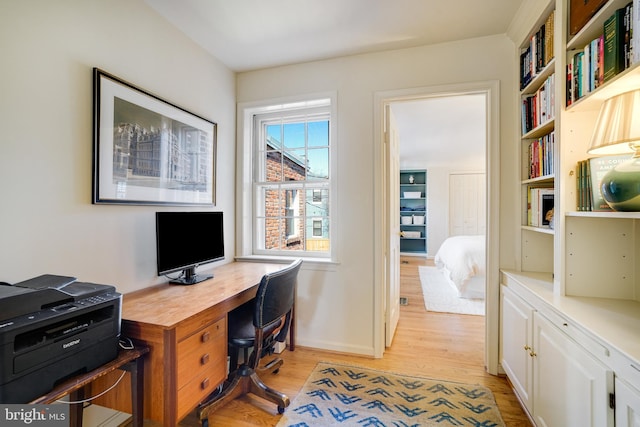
441	297
342	395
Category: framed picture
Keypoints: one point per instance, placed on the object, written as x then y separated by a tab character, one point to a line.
147	150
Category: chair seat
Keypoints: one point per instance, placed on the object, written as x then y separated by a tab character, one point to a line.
241	330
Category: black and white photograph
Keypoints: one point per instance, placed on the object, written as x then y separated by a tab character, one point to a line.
148	151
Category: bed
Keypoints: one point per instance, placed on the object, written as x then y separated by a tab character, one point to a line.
461	259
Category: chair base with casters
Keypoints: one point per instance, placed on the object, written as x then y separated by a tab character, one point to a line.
243	381
258	324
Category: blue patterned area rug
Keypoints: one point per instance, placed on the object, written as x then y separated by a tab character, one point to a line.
341	395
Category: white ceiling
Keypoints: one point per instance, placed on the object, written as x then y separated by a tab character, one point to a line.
253	34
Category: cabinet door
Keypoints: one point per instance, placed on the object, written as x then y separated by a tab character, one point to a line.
571	388
627	405
516	344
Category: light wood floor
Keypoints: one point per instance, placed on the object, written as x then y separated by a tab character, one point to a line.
436	345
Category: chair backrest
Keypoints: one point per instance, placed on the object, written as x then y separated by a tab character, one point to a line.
275	295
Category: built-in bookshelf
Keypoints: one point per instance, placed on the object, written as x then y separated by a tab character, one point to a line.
594	234
557	116
538	108
588	261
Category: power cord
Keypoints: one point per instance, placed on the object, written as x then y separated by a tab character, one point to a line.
125	343
96	396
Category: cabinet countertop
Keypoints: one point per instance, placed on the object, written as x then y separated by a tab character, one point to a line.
614	322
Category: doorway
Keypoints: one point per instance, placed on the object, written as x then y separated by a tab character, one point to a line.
488	92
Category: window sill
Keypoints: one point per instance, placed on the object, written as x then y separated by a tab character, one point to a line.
308	263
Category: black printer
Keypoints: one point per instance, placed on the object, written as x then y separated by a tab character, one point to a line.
52	328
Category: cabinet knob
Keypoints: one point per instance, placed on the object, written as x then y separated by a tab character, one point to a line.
532	354
205	337
204	359
527	348
204	384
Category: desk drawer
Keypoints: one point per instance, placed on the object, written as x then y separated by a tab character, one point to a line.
195	392
204	354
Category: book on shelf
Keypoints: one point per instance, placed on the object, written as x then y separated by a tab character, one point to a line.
540	156
588	68
583	186
614	34
539	107
538	52
628	35
569	84
540	201
605	56
576	81
634	22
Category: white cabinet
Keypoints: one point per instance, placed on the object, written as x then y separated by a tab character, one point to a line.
627	405
570	387
517	339
557	380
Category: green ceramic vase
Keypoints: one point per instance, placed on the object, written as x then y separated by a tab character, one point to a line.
621	186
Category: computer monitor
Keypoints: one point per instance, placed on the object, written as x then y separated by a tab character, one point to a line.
186	240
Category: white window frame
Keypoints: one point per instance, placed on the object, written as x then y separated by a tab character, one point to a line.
246	233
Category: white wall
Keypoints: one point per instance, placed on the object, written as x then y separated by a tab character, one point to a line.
335	308
47	221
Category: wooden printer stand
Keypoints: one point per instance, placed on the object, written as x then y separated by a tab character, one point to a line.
127	360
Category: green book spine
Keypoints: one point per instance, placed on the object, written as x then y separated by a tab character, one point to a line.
614	45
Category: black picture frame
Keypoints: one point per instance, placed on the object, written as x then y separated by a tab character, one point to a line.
148	151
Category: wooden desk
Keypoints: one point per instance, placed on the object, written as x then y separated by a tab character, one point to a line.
127	360
185	328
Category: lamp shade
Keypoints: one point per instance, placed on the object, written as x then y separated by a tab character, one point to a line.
618	126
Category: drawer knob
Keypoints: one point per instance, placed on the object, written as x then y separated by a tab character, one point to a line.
204	359
204	384
205	337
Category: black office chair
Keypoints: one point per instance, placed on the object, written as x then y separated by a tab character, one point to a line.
258	324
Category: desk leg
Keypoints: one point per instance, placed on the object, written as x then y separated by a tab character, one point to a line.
292	329
136	367
75	413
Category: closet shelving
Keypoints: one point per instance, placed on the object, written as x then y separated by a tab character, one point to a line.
413	212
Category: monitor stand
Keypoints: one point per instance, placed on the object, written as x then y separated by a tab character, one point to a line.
190	277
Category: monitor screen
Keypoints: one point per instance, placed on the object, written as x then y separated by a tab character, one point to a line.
185	240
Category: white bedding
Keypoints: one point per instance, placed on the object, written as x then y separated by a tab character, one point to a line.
462	261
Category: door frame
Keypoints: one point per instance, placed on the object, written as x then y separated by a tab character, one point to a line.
381	233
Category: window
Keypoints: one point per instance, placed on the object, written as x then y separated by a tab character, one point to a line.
292	179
